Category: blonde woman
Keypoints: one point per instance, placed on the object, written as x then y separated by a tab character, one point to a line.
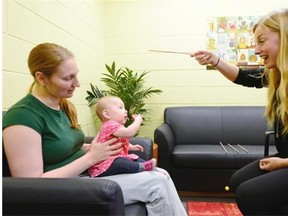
261	188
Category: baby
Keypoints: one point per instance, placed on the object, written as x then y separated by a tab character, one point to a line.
111	111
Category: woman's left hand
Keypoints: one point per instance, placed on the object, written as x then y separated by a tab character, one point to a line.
273	163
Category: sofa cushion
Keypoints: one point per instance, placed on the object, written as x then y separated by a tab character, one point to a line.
244	125
209	125
188	128
214	156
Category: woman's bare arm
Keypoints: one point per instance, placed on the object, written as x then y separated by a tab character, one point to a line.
23	149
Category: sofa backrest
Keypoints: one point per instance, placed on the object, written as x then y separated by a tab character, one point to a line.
244	125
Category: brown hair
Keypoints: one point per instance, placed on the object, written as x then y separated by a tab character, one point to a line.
46	58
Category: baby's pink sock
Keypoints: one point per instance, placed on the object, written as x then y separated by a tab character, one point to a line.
150	165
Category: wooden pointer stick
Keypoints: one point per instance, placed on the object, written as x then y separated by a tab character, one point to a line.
166	51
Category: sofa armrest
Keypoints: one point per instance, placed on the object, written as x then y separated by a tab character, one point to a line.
66	196
164	138
267	139
146	143
88	139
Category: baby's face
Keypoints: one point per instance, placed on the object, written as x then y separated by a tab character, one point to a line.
117	111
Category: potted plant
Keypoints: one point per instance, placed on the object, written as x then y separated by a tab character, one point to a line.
129	86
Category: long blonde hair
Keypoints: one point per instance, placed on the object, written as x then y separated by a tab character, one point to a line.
46	58
277	107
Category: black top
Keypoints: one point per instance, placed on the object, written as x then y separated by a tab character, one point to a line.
256	78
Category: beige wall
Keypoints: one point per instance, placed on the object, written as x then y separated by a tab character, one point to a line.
123	31
134	27
77	25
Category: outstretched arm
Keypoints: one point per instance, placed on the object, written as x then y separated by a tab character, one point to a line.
205	57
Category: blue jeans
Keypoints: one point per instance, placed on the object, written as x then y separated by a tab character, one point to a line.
122	165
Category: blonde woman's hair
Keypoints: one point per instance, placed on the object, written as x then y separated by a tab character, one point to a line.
46	58
277	21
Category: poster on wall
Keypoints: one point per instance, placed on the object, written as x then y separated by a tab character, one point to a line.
233	40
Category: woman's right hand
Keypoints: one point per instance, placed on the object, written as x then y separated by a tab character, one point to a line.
102	151
205	57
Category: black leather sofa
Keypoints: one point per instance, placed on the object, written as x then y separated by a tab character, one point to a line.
189	144
68	196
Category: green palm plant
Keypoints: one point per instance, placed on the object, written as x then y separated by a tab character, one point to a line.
129	86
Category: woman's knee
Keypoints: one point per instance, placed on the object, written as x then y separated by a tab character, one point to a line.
243	198
159	190
251	202
159	176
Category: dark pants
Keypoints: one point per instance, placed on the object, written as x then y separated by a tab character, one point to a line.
259	192
122	165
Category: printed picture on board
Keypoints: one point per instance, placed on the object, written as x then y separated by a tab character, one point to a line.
233	40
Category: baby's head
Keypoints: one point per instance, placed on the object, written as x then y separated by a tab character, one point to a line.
111	108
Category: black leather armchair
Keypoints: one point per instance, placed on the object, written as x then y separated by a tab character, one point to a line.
68	196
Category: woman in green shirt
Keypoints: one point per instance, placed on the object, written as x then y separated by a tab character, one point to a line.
42	137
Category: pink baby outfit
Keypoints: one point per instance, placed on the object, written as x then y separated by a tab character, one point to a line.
106	133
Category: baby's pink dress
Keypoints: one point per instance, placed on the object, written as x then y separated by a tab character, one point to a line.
106	131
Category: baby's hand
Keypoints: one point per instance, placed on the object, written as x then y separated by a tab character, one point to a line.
137	117
136	148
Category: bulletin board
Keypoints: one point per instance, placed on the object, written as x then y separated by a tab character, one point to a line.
232	39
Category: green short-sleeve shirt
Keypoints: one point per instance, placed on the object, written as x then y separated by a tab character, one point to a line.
60	143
